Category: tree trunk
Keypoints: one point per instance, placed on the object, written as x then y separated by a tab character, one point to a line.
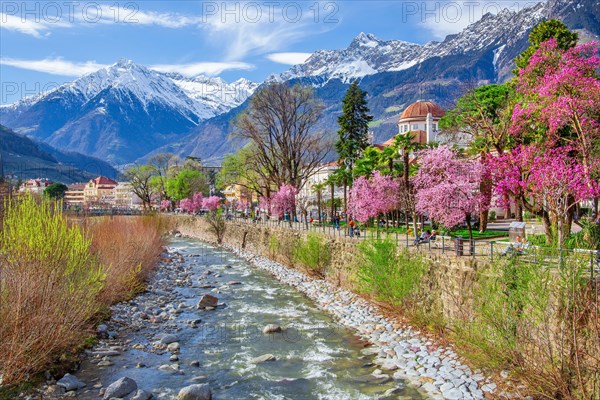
346	200
483	220
332	201
519	210
547	227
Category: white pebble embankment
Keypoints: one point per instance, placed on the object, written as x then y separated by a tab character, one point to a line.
401	350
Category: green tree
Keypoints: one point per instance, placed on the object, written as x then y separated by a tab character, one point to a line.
353	135
56	191
185	184
241	169
545	30
163	165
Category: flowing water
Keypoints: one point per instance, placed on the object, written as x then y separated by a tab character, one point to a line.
316	358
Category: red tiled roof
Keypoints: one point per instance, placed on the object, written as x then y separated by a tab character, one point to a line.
102	180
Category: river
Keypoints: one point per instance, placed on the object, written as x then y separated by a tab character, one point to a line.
315	357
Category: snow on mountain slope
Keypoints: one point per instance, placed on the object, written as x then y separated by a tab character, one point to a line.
368	55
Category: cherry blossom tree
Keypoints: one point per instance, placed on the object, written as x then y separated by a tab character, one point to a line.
561	99
550	182
447	187
186	205
284	201
211	203
165	205
371	197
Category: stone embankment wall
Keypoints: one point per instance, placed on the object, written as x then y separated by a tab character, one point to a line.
449	281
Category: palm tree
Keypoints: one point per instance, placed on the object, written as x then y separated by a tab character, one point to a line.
318	188
406	144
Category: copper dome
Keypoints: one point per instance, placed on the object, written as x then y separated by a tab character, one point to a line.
420	109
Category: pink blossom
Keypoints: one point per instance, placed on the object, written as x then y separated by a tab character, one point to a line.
447	187
211	203
371	197
165	205
284	201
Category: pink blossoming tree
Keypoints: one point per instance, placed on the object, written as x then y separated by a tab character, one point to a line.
211	203
284	201
447	187
370	197
561	99
551	179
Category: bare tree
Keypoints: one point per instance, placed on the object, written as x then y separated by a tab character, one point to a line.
279	123
139	177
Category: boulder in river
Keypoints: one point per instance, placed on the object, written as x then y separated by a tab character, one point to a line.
141	395
120	388
70	382
271	328
263	358
168	339
207	301
195	392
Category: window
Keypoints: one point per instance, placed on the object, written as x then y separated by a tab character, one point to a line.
415	127
435	127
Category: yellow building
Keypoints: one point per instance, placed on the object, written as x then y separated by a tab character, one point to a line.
99	191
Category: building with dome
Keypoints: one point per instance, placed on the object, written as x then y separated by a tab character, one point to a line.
421	120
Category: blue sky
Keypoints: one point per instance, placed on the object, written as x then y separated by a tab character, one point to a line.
47	43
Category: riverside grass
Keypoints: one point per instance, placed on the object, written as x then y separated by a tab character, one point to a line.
58	277
313	253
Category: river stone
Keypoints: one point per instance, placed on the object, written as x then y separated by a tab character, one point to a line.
141	395
120	388
173	346
195	392
263	358
271	328
69	382
208	300
168	339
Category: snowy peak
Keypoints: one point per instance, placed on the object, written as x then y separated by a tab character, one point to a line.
368	55
196	98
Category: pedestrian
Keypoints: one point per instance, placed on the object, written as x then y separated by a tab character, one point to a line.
351	226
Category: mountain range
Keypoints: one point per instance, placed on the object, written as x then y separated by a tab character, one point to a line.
126	112
22	158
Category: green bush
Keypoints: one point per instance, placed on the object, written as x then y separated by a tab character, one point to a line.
492	215
49	284
387	274
313	253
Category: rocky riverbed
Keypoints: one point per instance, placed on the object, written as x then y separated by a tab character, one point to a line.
401	351
213	325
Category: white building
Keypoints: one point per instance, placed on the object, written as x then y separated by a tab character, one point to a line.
421	119
36	186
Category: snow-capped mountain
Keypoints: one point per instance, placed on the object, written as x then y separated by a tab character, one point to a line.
215	93
396	73
122	111
368	55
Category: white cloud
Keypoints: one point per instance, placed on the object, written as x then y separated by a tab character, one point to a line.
135	16
54	66
205	68
242	33
37	29
289	58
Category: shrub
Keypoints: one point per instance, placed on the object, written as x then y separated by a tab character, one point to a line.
492	215
313	253
129	249
49	283
389	275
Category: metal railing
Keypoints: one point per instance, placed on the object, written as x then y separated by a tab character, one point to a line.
459	247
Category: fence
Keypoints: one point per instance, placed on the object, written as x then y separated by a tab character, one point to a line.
556	258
